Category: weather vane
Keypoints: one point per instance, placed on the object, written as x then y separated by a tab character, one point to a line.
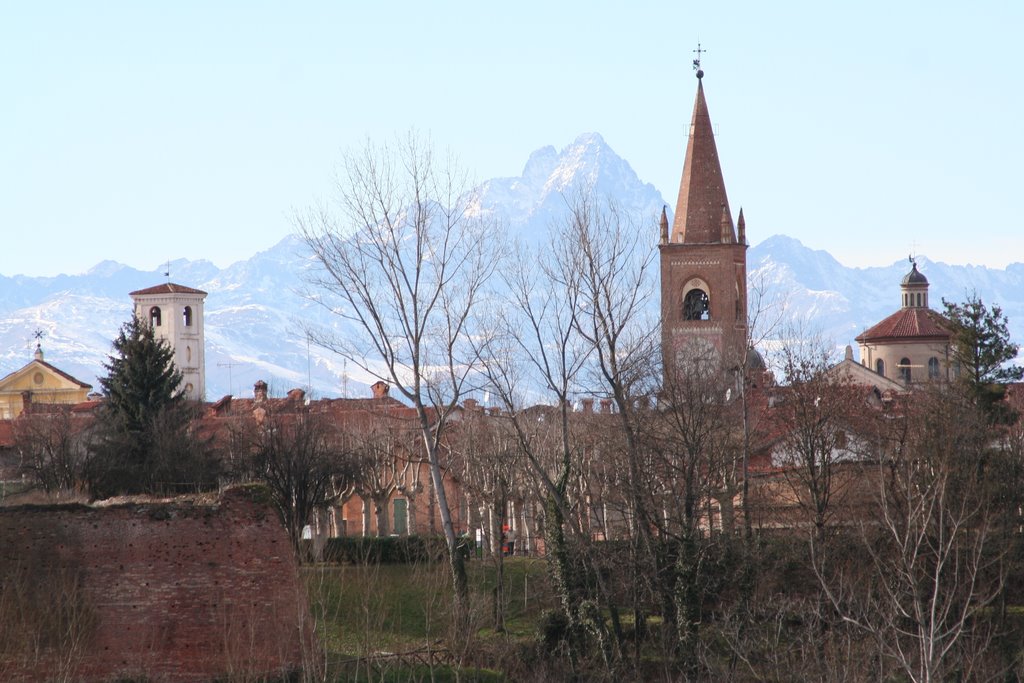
696	62
167	271
38	335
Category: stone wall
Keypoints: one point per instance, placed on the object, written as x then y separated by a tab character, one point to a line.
189	589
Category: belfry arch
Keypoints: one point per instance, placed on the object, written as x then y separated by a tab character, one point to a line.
696	300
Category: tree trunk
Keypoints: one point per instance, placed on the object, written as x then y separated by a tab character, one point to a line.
380	508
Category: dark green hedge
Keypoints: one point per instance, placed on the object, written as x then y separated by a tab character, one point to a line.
389	550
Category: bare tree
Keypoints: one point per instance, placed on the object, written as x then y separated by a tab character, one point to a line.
489	458
53	447
384	466
614	259
533	342
933	561
814	412
302	462
405	259
766	311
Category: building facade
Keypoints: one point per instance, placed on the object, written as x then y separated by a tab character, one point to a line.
39	382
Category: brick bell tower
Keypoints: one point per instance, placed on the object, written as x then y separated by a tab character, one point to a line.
703	260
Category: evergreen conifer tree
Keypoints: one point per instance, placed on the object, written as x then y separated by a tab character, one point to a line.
984	352
145	442
141	380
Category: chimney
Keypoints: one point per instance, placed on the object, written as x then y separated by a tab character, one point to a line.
259	391
588	405
606	406
380	389
470	404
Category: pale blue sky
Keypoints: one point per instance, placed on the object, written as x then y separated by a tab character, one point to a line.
862	128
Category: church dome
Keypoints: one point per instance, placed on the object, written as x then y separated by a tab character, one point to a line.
914	277
755	361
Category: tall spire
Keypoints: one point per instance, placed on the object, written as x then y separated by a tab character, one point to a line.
699	211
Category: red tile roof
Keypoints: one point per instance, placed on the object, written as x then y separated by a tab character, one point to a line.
906	324
167	288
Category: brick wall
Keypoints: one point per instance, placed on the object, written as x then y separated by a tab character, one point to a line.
187	590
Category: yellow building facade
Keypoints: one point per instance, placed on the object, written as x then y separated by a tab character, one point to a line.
39	382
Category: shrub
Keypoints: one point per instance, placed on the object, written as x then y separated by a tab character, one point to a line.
389	550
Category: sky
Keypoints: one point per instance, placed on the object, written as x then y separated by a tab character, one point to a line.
142	132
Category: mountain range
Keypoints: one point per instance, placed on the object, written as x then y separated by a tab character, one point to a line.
256	312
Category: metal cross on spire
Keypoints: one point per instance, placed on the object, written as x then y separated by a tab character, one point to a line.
696	62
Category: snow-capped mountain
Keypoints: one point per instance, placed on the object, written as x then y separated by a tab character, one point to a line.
256	312
529	204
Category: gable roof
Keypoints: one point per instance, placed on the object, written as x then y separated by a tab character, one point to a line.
908	324
851	371
57	371
167	288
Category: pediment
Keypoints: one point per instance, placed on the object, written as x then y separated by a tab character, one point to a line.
40	376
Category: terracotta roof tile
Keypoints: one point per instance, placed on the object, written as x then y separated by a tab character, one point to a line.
167	288
908	323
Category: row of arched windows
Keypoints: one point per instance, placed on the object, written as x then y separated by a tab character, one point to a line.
156	316
909	299
905	370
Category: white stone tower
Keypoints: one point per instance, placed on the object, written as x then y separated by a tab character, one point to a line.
176	314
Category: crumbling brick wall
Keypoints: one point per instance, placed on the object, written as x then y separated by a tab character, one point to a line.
190	589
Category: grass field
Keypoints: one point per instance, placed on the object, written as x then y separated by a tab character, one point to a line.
391	622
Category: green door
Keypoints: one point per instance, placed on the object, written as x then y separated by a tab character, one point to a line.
401	516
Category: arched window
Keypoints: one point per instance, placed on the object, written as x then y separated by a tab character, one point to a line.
880	367
186	316
696	305
933	368
905	370
154	316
